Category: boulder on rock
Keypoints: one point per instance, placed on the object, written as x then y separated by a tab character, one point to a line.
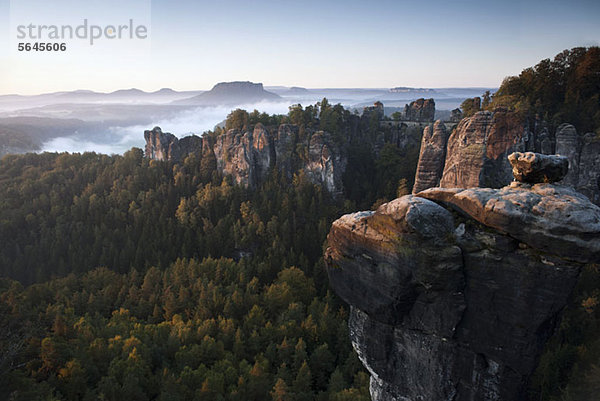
536	168
454	292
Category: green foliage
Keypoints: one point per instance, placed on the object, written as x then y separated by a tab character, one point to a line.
168	317
218	334
303	117
141	279
265	119
333	119
568	369
485	103
237	119
565	89
471	106
397	115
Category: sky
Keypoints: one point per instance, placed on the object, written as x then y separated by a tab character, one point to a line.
193	44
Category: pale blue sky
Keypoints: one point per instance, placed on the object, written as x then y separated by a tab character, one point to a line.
194	44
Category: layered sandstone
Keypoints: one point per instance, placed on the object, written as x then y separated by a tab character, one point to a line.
454	292
432	157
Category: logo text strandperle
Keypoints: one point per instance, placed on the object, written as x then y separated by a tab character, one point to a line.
83	31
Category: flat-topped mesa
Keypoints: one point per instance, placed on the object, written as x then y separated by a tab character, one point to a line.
536	168
454	292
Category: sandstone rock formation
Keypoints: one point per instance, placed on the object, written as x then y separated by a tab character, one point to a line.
588	181
583	153
247	156
454	292
166	146
567	144
325	162
477	150
376	109
431	157
232	93
534	167
420	110
456	115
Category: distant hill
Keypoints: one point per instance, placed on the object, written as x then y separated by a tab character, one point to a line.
122	96
231	93
405	89
26	134
296	90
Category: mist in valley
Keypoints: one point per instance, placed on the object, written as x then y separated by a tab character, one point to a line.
116	139
112	123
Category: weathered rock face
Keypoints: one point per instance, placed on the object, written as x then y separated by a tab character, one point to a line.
420	110
534	167
245	157
431	157
454	292
377	110
325	162
284	143
165	146
567	144
248	156
456	115
552	218
477	150
234	156
588	181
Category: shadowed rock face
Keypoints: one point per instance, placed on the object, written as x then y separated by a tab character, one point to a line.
588	181
325	162
420	110
567	144
431	157
456	115
165	146
454	292
247	156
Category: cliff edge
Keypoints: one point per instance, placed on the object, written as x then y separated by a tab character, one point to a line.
454	292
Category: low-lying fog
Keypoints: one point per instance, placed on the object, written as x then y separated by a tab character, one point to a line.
120	138
115	122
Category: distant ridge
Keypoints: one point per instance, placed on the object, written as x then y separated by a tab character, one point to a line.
231	93
406	89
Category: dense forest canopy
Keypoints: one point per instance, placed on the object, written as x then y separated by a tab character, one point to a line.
138	279
565	89
125	278
168	316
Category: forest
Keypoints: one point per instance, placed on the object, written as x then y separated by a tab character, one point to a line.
125	278
565	89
